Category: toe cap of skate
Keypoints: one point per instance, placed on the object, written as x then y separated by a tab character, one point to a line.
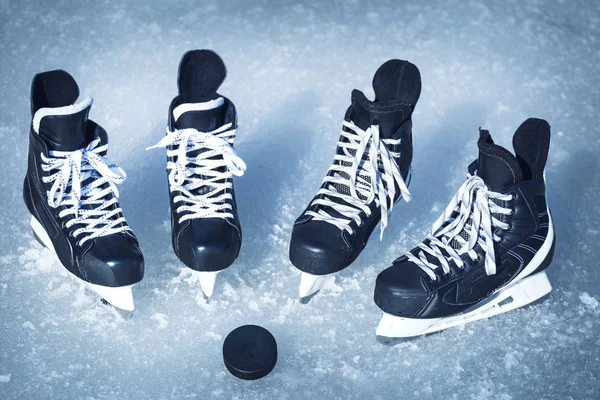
318	248
114	261
399	290
209	245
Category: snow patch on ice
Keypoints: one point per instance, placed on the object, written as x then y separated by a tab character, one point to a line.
213	335
588	300
28	325
161	319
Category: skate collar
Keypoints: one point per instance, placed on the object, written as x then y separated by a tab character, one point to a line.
203	106
58	111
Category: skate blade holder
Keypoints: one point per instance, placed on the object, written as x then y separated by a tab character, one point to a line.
311	284
393	329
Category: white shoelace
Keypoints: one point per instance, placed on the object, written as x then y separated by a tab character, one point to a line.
189	173
74	168
365	178
471	209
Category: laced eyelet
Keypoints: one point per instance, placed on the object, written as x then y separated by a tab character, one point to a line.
512	211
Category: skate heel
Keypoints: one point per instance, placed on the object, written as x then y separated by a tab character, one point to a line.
513	296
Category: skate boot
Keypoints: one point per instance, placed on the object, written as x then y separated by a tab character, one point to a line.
369	174
487	252
201	162
70	191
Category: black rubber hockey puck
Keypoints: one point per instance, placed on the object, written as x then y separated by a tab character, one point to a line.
250	352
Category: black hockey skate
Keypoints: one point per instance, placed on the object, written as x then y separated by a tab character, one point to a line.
70	190
486	253
370	172
201	162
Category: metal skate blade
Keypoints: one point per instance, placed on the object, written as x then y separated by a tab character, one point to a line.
311	284
307	299
119	297
123	313
207	283
391	341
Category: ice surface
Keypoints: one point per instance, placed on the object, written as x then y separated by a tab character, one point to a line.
291	70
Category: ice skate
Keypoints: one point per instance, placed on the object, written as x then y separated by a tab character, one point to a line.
201	163
369	174
70	190
487	252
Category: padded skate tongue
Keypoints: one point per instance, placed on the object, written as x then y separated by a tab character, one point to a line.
201	73
397	87
64	128
497	166
366	113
